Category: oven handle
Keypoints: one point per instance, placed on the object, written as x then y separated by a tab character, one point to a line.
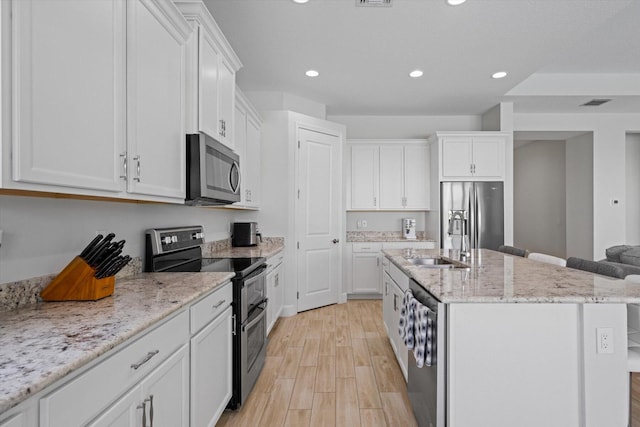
255	275
257	319
259	306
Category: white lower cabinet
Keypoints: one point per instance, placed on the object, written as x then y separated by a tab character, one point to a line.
393	293
211	373
365	267
275	289
161	399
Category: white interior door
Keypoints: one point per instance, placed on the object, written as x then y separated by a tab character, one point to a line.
318	218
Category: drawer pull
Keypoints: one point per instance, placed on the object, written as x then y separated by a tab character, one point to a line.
219	303
145	359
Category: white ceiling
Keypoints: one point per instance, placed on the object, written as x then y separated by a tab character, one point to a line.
559	53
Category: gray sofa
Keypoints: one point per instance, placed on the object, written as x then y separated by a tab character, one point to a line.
624	256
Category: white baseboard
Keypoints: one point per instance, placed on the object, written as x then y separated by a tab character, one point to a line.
342	298
372	295
288	311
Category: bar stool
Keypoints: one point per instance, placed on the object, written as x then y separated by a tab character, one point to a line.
595	267
512	250
549	259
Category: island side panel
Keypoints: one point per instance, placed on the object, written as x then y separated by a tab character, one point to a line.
514	364
606	377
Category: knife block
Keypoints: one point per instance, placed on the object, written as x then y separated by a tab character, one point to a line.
76	282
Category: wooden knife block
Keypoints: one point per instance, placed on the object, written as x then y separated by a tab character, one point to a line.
76	282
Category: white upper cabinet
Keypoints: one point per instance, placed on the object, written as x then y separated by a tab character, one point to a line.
389	175
472	156
156	129
98	102
365	169
248	135
69	93
212	66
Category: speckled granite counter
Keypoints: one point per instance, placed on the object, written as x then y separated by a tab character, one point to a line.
384	236
270	247
41	343
496	277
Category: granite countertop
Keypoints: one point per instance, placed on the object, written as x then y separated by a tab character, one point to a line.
384	236
267	250
41	343
496	277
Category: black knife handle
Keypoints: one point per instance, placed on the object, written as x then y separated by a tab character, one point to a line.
90	246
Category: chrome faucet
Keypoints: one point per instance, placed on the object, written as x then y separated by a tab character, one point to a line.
458	226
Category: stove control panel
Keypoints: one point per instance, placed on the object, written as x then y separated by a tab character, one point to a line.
163	240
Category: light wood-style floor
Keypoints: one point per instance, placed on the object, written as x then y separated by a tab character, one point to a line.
331	366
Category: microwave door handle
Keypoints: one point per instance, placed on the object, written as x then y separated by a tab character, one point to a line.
235	170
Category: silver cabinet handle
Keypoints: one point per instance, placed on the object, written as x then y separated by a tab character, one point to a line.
151	410
233	324
143	406
124	165
145	359
334	241
375	201
219	304
137	159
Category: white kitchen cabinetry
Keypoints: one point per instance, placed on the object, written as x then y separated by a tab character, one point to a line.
472	156
275	289
248	146
395	283
156	72
89	394
161	399
365	267
211	71
100	115
23	415
211	366
389	175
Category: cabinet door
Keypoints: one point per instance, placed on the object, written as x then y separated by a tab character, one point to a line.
416	177
391	177
488	158
240	124
156	47
456	157
211	370
226	102
166	391
366	272
399	348
271	295
387	306
69	93
252	168
126	412
364	176
208	88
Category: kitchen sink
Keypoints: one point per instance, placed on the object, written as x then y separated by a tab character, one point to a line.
435	262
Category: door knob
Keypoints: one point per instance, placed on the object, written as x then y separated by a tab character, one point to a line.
335	241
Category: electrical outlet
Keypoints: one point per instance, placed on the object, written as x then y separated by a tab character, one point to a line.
364	223
604	340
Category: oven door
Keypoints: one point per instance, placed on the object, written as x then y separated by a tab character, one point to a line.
253	349
253	292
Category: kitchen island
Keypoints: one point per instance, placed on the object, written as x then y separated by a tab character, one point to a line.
45	344
521	340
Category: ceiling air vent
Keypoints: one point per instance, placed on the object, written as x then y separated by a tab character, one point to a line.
595	102
373	3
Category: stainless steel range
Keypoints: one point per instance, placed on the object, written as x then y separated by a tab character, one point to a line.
179	249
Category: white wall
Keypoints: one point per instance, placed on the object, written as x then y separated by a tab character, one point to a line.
609	143
633	189
41	235
539	197
579	212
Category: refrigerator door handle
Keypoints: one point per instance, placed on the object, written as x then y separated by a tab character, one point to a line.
477	222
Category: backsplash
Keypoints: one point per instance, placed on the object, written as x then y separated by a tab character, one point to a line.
16	294
382	236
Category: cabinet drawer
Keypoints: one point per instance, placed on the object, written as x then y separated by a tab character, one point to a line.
210	307
80	400
367	247
401	279
274	261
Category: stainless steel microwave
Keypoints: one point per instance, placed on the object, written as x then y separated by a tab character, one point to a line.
213	172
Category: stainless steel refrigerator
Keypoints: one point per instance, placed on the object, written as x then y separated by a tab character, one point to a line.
474	210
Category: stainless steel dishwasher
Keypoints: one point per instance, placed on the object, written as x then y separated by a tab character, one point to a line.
427	385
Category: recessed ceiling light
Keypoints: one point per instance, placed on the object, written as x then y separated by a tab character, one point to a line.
455	2
499	75
416	73
300	1
312	73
